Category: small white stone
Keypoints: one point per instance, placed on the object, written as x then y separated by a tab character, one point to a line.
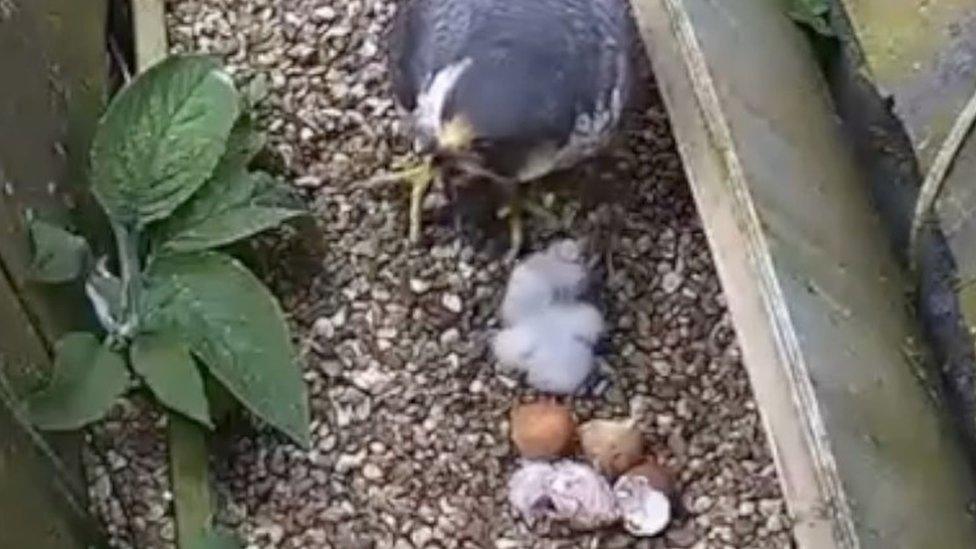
670	282
452	302
348	462
421	536
450	336
419	286
323	328
324	13
372	472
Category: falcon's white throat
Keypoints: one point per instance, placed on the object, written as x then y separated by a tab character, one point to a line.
430	102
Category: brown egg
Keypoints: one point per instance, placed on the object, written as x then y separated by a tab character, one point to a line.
612	446
543	430
657	476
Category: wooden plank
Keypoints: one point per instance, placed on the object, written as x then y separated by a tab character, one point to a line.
724	228
149	20
816	297
56	50
21	346
39	510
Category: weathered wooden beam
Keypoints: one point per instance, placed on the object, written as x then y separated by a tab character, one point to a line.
149	21
39	506
57	50
866	458
53	58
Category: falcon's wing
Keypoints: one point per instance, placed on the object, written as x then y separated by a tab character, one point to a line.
610	35
426	36
543	74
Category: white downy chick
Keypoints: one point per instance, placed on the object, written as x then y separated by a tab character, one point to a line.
554	348
554	274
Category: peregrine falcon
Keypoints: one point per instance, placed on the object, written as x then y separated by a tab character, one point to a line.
507	91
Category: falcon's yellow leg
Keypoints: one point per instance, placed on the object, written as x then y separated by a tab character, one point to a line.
516	230
539	210
419	178
515	211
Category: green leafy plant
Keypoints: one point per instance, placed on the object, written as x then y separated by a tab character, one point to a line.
170	166
814	14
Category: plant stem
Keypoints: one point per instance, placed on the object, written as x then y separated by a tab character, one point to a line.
190	481
127	242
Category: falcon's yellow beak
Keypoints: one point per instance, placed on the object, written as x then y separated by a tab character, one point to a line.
455	135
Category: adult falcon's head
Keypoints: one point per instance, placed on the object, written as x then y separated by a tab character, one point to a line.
510	90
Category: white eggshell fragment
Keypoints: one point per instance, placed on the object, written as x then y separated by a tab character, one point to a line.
645	511
563	491
528	490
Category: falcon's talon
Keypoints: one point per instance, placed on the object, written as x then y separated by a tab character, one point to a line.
515	212
516	230
419	178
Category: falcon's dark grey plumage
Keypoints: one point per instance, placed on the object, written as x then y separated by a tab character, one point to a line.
540	83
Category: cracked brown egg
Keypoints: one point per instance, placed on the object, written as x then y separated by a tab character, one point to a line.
543	430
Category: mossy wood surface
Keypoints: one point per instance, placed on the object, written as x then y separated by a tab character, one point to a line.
922	55
866	458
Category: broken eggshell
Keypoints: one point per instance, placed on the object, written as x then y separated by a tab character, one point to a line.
542	430
564	491
644	509
658	476
612	446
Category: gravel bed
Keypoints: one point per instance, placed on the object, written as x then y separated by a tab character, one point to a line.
409	418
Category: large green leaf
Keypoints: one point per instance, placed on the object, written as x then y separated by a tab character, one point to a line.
228	186
271	192
223	406
226	208
58	256
161	138
171	373
226	190
236	328
230	226
88	378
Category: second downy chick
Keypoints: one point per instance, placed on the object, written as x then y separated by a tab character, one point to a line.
543	278
553	348
550	333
